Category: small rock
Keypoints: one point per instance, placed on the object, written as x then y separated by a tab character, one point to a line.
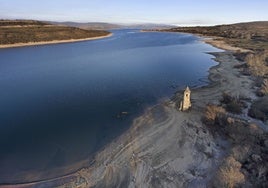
230	120
255	158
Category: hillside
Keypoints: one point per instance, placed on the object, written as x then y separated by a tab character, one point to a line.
251	35
25	31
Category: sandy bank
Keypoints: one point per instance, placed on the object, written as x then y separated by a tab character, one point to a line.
165	147
219	43
52	42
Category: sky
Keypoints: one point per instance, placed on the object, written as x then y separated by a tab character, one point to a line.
177	12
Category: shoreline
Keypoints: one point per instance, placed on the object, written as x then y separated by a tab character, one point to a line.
164	140
215	41
17	45
218	42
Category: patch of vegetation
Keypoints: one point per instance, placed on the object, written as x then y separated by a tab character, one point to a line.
259	109
264	87
232	104
229	174
241	56
12	32
21	23
256	63
245	163
213	114
263	90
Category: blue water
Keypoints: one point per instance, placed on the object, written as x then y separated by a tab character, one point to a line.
60	103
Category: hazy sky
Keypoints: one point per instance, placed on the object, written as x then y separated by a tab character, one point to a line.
180	12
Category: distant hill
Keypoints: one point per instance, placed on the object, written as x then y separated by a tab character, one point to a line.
25	31
90	25
149	26
9	23
109	26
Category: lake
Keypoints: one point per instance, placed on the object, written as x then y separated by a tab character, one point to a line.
61	103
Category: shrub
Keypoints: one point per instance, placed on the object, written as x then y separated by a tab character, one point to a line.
240	152
232	104
264	87
241	56
259	109
226	98
212	113
234	107
229	174
266	61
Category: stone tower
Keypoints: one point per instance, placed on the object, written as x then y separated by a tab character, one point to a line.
186	101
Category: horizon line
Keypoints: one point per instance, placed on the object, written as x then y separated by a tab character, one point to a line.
140	23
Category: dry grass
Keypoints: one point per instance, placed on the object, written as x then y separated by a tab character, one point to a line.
245	163
25	32
212	113
232	104
257	63
259	109
264	87
229	174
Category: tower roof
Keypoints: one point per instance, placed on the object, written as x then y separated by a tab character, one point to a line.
187	89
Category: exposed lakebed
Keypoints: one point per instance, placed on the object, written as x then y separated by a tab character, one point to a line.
61	103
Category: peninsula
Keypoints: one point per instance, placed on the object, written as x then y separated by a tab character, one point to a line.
15	33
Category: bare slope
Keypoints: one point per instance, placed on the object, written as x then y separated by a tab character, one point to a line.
25	31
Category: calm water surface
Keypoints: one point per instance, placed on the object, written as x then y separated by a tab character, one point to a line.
60	103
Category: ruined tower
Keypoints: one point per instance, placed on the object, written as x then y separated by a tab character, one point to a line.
185	104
